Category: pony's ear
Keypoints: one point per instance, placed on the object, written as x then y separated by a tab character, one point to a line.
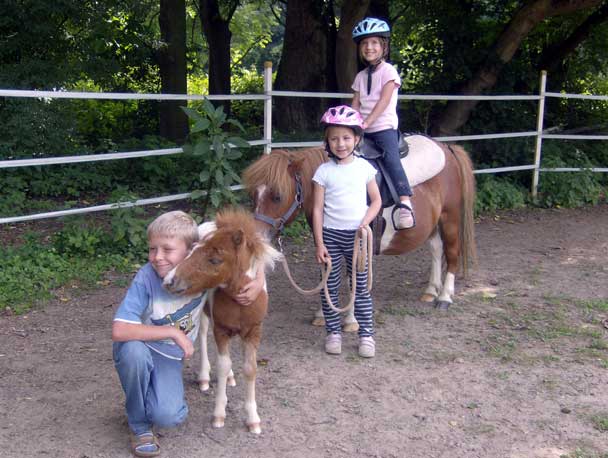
237	237
295	165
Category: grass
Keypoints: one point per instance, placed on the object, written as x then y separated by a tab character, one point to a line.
600	421
585	453
561	322
33	271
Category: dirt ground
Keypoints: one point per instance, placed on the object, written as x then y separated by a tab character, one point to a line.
518	367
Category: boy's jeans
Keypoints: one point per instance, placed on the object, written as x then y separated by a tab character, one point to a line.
153	386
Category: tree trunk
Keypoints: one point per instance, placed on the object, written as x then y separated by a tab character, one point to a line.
351	13
172	62
217	33
457	112
304	64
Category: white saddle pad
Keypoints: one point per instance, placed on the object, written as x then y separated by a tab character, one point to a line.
425	159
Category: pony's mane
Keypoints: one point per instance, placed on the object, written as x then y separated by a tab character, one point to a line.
272	169
262	253
309	160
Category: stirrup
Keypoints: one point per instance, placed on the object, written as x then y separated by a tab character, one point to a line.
396	209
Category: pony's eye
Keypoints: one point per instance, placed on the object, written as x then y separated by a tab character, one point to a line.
215	261
276	198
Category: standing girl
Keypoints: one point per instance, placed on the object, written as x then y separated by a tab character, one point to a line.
340	209
375	96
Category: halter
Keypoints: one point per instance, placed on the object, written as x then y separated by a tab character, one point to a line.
279	223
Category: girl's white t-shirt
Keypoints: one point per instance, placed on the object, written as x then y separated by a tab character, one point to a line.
384	73
345	192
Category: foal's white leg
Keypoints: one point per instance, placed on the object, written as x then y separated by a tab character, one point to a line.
224	366
249	373
205	369
434	286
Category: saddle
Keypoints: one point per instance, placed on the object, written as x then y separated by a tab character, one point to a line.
422	159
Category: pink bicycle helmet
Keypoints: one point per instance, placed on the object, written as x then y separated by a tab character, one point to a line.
343	116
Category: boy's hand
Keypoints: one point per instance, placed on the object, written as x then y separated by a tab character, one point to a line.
184	343
250	291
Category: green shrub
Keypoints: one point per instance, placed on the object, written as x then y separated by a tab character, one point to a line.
494	193
213	145
79	238
128	227
568	189
31	271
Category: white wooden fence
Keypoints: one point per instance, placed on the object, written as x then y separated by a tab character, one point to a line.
268	144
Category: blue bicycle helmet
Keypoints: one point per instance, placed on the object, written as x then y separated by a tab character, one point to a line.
371	27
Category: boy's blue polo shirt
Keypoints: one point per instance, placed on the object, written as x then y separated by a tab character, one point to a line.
146	299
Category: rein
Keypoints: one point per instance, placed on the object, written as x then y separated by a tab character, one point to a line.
362	251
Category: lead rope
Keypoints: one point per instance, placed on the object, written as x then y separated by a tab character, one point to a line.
362	251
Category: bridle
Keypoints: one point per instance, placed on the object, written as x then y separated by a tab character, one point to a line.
358	261
279	223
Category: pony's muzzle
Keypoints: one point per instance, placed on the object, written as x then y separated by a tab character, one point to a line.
174	284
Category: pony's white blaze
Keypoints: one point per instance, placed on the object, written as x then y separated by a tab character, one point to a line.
259	192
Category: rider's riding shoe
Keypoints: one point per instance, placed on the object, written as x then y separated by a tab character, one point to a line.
406	218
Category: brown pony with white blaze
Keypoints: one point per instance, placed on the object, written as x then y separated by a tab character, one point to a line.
443	207
228	256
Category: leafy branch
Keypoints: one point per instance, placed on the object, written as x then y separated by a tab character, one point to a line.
211	142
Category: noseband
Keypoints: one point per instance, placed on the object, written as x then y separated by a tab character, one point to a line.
279	223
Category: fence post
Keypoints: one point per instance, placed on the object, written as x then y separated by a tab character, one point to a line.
539	133
267	106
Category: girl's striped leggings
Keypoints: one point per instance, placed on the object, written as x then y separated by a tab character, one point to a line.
339	244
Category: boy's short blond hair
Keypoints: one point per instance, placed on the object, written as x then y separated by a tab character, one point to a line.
175	224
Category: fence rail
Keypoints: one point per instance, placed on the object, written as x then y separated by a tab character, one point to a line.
268	144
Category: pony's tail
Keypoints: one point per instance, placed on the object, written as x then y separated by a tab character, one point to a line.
468	249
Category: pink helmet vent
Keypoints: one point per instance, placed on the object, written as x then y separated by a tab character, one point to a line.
343	116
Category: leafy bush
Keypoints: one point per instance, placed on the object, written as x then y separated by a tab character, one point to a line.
568	189
128	227
211	142
498	193
31	272
79	238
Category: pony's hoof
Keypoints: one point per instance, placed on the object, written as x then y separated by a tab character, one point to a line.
230	381
318	321
218	422
426	297
203	385
442	305
351	327
254	428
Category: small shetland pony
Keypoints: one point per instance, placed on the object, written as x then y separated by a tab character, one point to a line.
228	256
280	184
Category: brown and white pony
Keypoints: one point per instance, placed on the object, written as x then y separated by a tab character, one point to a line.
228	256
280	184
